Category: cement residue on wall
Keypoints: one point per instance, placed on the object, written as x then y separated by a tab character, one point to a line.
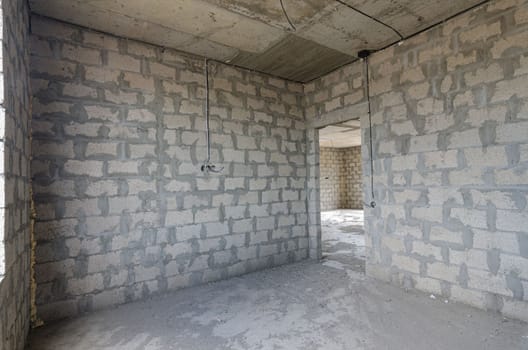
123	211
449	128
15	180
341	178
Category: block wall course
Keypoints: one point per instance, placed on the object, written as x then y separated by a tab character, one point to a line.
15	154
119	129
449	149
123	210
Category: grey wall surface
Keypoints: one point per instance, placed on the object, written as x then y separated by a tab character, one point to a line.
341	178
450	137
14	176
123	211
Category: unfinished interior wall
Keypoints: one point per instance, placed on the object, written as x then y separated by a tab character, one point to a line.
312	191
336	97
450	134
331	163
341	178
14	176
123	211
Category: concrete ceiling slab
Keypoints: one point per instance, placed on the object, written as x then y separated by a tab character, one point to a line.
86	15
412	16
295	58
256	34
356	123
343	135
270	11
200	19
349	31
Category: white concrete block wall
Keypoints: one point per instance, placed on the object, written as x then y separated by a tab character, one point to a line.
325	97
450	133
123	211
14	176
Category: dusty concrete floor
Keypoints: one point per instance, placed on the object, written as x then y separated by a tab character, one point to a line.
307	306
343	238
326	305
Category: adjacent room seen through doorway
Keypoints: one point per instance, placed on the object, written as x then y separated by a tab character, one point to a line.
341	195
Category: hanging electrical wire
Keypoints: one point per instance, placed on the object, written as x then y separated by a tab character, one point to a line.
364	54
287	17
207	166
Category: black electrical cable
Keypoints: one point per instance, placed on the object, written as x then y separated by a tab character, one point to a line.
364	54
371	17
207	110
287	17
400	40
207	166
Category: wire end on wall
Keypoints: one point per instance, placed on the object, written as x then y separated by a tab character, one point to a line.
211	168
371	204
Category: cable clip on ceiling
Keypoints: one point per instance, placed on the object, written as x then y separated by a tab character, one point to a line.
207	167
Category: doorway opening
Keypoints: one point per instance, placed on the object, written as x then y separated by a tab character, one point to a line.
341	195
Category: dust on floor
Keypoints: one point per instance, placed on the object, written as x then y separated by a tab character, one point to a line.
304	306
343	238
